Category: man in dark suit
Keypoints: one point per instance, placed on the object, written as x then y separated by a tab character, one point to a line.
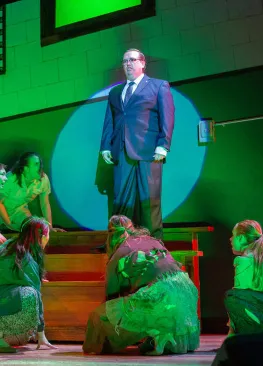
136	137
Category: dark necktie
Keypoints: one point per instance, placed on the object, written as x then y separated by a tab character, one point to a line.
128	93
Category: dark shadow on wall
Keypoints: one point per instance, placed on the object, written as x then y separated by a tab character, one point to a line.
10	151
216	277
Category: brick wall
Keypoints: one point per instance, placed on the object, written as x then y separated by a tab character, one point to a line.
186	39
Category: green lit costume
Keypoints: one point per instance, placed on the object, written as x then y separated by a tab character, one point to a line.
244	303
16	199
159	303
21	309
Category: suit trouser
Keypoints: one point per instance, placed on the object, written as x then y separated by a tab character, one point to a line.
137	192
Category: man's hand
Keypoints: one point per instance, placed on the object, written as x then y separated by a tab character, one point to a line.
2	239
107	157
158	157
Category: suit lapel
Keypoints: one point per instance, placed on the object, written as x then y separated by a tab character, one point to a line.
142	84
122	86
116	95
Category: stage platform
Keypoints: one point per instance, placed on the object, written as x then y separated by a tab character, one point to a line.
71	355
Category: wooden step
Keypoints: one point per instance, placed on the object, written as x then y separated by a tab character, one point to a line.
75	267
67	306
68	334
93	266
72	242
85	242
76	262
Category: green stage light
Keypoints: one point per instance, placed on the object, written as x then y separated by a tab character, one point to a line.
65	19
72	11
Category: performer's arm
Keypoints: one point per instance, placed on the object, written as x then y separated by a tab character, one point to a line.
2	239
107	130
46	211
106	136
4	215
5	192
45	207
166	116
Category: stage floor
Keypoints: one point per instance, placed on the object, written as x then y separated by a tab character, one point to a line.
71	355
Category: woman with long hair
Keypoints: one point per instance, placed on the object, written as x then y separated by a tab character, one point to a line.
21	273
148	297
26	183
244	302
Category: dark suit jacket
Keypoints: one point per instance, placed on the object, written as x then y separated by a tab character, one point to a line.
147	121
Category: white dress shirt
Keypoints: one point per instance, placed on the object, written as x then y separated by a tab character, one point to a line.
136	81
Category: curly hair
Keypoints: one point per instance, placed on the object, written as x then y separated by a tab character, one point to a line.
253	233
120	228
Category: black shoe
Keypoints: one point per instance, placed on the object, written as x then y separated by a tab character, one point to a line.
146	346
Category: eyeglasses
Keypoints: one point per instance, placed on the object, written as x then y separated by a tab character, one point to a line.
131	60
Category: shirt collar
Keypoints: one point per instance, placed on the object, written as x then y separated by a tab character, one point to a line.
137	80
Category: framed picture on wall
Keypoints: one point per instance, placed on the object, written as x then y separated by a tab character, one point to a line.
63	19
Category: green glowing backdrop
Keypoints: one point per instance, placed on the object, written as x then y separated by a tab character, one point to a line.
72	11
